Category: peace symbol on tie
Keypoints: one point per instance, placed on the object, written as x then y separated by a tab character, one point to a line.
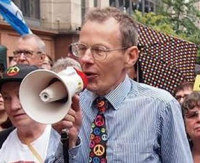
98	137
99	150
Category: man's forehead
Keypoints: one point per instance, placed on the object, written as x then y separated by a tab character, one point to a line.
187	90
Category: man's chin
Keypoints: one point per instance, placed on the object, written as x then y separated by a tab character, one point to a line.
92	87
2	109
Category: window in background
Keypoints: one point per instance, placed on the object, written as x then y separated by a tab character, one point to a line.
130	5
95	3
29	8
83	9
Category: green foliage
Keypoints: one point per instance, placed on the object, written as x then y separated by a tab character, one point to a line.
157	21
175	17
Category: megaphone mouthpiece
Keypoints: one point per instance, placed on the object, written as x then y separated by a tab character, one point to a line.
83	77
54	92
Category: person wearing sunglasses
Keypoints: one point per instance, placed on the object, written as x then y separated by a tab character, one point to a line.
30	49
191	114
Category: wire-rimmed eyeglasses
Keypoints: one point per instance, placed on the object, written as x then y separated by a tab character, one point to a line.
26	53
98	52
179	97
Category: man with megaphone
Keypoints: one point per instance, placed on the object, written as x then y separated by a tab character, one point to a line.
123	121
28	140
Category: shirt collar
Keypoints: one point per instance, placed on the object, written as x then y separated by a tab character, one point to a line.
116	96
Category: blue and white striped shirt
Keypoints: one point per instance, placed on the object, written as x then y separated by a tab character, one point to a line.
145	125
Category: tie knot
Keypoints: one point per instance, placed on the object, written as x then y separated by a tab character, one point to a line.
102	104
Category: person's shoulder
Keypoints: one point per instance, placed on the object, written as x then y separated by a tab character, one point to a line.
4	134
148	91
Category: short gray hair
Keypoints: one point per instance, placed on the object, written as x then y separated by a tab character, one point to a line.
127	25
63	63
40	43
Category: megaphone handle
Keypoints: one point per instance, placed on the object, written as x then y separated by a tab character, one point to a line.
65	142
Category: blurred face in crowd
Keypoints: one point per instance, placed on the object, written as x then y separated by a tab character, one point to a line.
13	62
27	52
104	70
10	93
1	103
192	122
180	95
46	63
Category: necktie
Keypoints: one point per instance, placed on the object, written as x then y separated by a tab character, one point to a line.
98	137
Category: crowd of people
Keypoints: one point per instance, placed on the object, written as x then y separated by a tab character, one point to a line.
115	119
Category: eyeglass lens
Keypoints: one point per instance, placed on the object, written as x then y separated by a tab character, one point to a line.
24	52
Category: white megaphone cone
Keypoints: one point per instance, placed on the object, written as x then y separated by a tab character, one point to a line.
46	96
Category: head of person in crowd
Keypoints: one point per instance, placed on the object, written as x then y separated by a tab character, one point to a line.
63	63
9	87
12	62
25	130
4	120
183	90
106	56
2	69
47	63
30	49
3	115
191	114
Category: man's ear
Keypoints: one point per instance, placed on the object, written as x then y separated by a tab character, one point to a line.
42	58
132	55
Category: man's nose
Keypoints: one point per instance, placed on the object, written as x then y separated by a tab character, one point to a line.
1	98
87	57
22	56
181	100
15	104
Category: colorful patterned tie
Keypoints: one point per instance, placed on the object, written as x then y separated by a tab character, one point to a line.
98	137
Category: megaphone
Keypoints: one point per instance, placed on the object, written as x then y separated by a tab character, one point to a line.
46	96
